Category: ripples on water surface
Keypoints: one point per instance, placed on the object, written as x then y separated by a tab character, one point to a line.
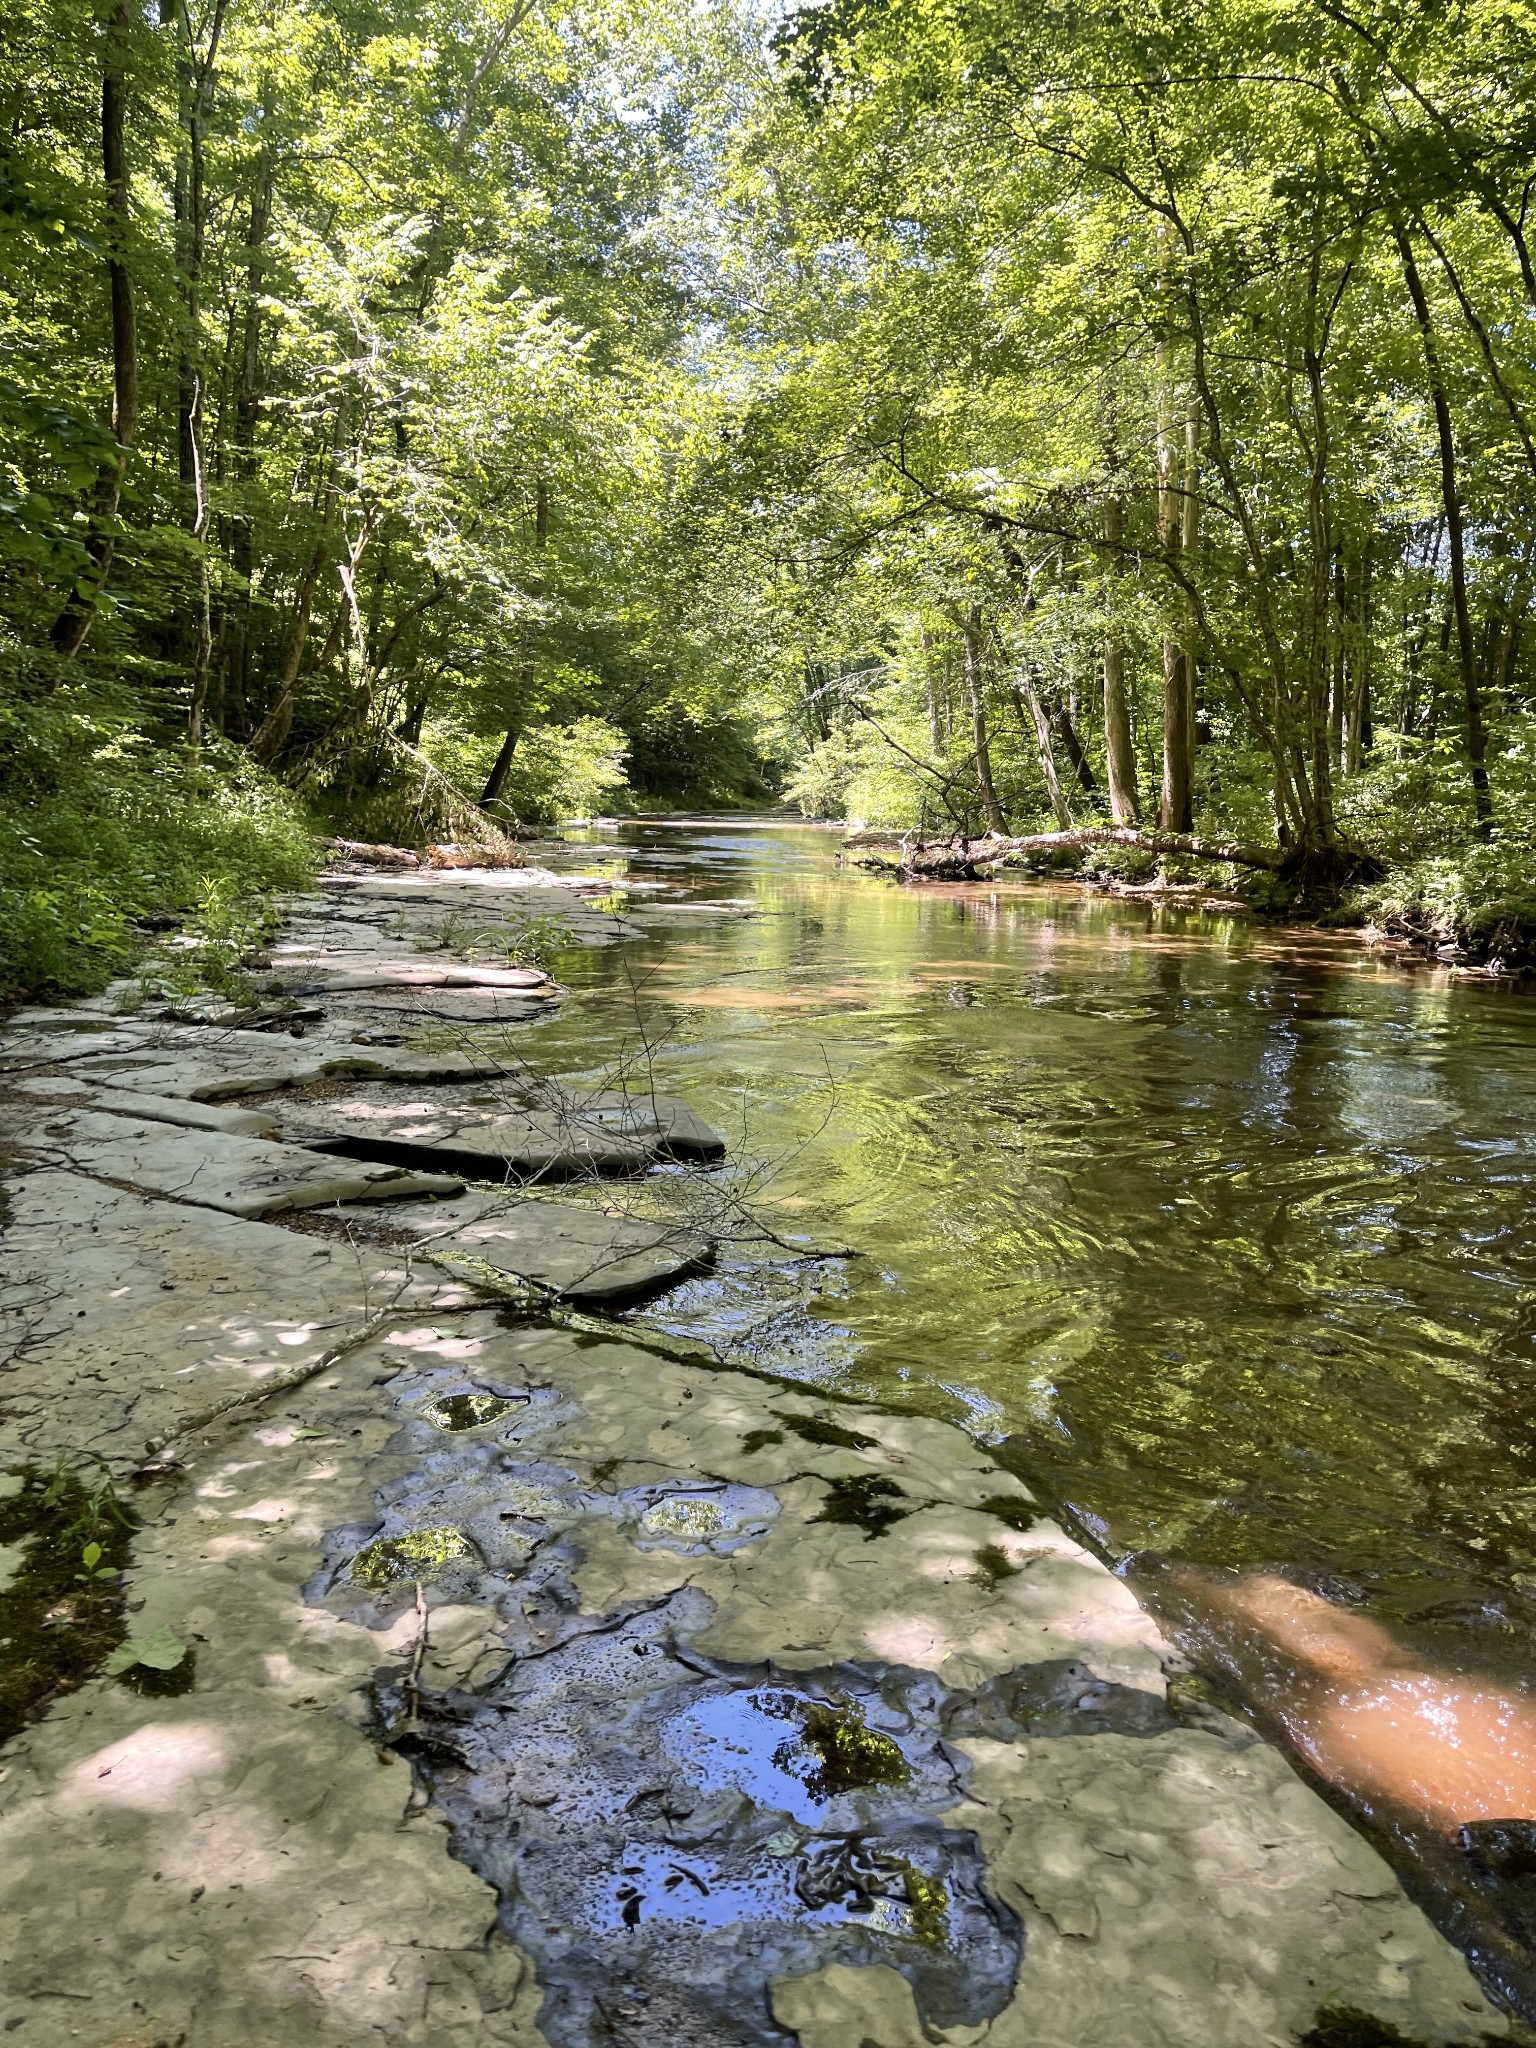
1230	1225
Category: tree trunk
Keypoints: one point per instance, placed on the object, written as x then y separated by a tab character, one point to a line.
496	781
1176	808
1189	542
1119	754
1082	767
74	621
246	413
267	740
192	192
991	809
1032	712
931	698
1450	493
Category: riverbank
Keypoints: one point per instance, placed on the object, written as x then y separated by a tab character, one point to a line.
1477	915
702	1701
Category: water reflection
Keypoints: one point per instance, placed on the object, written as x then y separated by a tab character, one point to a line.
1230	1226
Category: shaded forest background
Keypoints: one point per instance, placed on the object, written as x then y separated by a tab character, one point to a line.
421	419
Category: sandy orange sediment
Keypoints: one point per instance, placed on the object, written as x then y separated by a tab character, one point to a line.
1374	1720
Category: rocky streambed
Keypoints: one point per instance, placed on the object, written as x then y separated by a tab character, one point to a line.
524	1678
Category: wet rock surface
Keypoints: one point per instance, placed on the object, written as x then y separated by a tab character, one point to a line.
550	1690
727	1828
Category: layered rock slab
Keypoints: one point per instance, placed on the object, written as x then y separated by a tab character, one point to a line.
212	1074
558	1134
234	1864
122	1314
219	1170
160	1109
583	1254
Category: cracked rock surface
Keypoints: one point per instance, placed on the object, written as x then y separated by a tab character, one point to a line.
556	1690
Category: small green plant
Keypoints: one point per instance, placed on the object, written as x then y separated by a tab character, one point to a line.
163	1650
519	942
64	1604
536	941
91	1558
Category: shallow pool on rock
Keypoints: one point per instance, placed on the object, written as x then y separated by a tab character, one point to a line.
668	1834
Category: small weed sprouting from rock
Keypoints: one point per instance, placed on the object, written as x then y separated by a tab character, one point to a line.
160	1665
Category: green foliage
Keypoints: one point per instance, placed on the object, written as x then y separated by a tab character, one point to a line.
836	415
162	1650
558	771
103	835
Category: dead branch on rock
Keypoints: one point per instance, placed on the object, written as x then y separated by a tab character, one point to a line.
284	1382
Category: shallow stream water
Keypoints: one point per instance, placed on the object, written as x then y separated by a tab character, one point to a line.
1228	1227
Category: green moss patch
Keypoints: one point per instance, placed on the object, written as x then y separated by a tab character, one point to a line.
418	1554
61	1614
865	1501
830	1436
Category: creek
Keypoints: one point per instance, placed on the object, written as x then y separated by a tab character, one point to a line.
1225	1226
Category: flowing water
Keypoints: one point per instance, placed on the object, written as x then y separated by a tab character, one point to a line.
1227	1227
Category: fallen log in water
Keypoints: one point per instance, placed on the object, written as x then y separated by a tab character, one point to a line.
960	860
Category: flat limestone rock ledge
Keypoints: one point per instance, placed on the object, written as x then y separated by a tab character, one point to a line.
676	1569
159	1109
487	1144
410	974
122	1314
428	1008
581	1253
216	1170
236	1867
220	1074
666	1121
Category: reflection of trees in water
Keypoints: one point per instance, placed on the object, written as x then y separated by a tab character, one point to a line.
1226	1221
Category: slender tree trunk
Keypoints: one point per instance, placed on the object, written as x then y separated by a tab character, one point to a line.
1077	754
247	410
1189	544
267	740
1176	809
74	620
1450	493
198	75
1032	713
931	697
501	767
1119	754
991	809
